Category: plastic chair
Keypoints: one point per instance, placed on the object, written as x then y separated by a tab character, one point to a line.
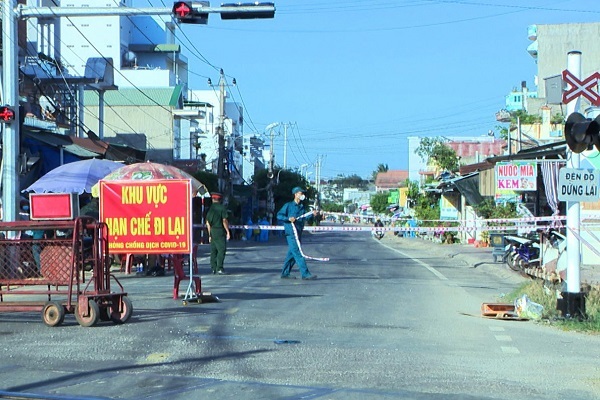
126	262
166	260
180	274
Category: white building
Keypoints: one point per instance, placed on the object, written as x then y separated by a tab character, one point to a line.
207	103
148	103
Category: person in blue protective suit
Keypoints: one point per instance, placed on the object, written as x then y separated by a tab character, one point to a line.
249	231
288	215
264	233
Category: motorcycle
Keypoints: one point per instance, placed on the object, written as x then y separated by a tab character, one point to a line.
521	252
527	252
378	234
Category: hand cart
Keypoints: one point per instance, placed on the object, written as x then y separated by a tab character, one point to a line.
58	268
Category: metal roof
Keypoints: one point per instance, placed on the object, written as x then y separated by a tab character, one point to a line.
548	150
168	97
63	141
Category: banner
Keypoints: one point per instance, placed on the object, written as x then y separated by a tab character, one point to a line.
447	209
516	175
147	217
513	178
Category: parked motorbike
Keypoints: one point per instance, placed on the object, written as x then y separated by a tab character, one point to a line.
521	252
526	252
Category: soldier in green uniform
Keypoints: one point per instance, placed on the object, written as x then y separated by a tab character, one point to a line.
218	233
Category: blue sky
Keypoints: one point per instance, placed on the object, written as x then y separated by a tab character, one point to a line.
355	78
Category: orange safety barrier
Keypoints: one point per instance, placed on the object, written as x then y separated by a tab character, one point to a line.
499	310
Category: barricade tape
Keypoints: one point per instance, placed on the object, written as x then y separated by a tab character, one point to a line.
300	247
495	220
388	229
528	223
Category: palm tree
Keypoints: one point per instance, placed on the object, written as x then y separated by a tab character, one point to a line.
380	168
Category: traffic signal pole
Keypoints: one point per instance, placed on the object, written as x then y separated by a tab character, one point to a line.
12	13
223	177
10	131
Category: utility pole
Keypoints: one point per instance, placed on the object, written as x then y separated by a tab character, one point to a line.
10	97
221	170
285	143
285	128
318	179
271	175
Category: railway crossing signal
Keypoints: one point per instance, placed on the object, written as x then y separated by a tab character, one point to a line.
582	133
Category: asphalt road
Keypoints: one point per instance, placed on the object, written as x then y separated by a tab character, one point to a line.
386	319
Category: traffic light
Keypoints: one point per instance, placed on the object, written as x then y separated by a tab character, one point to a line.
7	114
187	12
247	10
582	133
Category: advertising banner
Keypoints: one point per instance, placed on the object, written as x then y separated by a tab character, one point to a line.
516	175
447	209
147	217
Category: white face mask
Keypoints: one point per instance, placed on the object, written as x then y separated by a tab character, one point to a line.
302	197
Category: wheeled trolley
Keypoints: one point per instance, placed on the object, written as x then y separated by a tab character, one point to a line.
59	268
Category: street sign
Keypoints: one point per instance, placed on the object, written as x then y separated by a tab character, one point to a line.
583	88
578	184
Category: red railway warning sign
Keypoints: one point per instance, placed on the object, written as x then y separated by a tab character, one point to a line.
585	88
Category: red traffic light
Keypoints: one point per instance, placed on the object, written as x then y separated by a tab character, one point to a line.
182	10
7	114
190	12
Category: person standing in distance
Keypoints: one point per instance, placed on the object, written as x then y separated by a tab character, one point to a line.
289	214
218	233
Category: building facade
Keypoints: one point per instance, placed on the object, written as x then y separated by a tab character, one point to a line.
147	103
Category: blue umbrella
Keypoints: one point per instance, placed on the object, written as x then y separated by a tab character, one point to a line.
76	177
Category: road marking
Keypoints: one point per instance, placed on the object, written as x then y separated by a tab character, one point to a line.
497	329
510	350
428	267
503	338
157	357
202	328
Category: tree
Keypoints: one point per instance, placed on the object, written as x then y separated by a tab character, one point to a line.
412	194
209	180
428	208
380	168
331	206
352	181
524	118
488	209
437	151
379	202
284	180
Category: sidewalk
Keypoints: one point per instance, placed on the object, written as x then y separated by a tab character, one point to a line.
477	257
